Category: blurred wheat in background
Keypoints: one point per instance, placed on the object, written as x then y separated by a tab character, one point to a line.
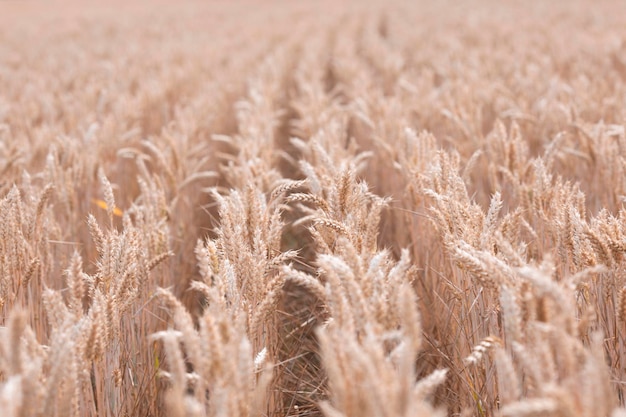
339	209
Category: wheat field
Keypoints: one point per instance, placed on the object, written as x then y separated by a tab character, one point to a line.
332	208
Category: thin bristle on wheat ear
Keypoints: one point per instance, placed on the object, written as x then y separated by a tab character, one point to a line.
621	312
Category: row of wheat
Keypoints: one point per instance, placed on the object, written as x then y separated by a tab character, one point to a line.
353	209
